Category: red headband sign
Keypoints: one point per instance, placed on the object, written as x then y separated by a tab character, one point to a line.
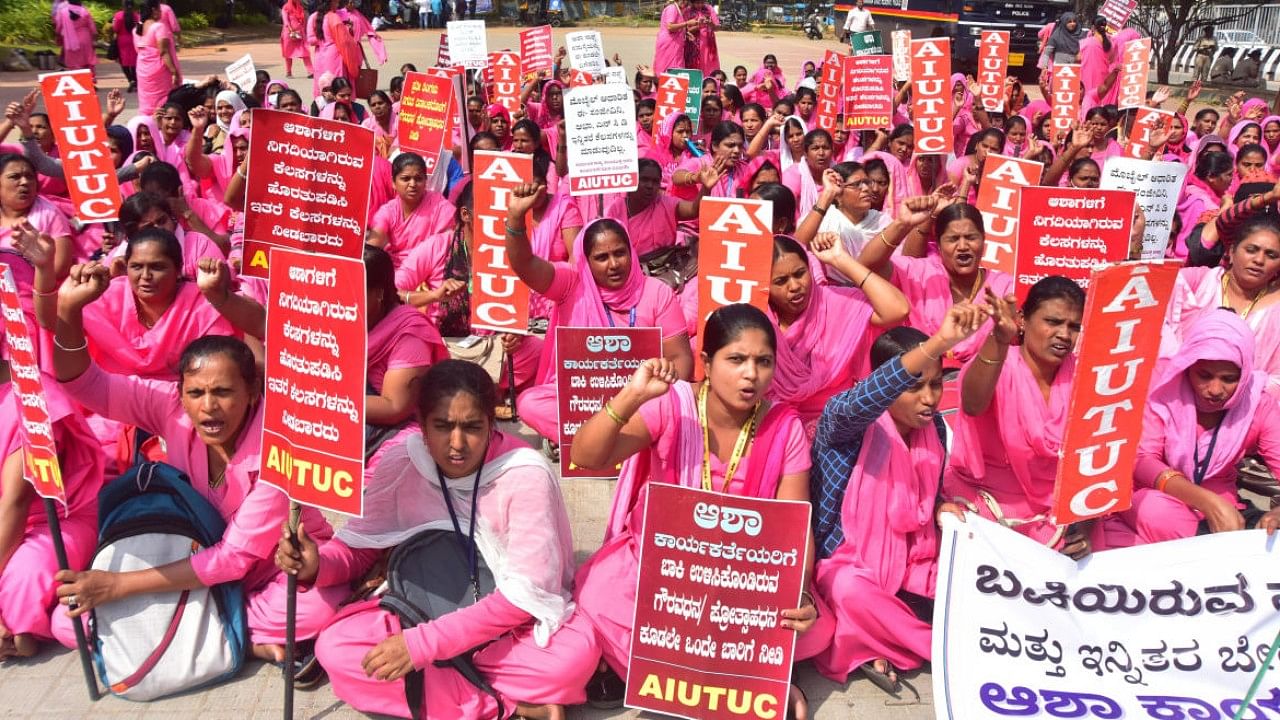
931	98
1123	317
72	104
1066	97
993	67
499	300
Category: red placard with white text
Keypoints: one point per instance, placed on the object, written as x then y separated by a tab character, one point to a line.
1117	12
1065	93
313	402
1146	121
1135	67
993	67
535	50
715	570
40	455
579	78
505	67
1069	232
499	300
868	92
72	104
1123	318
426	113
308	187
830	91
592	365
998	199
673	93
735	254
931	97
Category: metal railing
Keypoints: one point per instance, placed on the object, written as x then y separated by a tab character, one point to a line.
1263	21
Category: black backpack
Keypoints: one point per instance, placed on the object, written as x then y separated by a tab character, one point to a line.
428	577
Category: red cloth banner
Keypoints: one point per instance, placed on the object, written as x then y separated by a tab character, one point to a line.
505	67
1123	317
308	187
427	113
40	455
715	570
1146	121
1135	66
1069	232
592	365
499	300
993	67
535	50
72	104
868	92
830	91
673	93
313	403
998	199
931	97
1066	98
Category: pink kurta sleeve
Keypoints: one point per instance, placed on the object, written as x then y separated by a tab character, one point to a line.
1150	462
124	398
425	263
384	219
252	535
656	413
341	563
796	453
562	282
666	308
1266	423
461	630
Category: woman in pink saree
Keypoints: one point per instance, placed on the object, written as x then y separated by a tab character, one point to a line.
1202	191
413	215
1097	56
675	44
158	71
77	33
706	52
804	179
1245	282
880	452
211	423
1207	410
346	28
496	496
27	560
655	427
1013	408
824	330
293	36
601	286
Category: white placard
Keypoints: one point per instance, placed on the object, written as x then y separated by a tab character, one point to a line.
600	121
615	74
1176	629
468	45
586	52
901	55
243	73
1158	185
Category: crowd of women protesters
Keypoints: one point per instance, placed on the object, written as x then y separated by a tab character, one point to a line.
893	378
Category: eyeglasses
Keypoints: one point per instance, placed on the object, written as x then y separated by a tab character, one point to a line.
864	183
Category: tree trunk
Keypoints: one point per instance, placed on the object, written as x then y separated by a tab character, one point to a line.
1165	63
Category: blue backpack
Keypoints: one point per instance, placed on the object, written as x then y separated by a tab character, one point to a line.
157	644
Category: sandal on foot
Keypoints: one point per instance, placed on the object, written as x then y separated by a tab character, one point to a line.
606	691
881	679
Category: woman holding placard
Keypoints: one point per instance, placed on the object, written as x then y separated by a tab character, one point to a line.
1207	410
211	422
27	559
601	286
1013	408
720	434
880	449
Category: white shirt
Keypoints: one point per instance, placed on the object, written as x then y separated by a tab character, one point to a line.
852	235
859	20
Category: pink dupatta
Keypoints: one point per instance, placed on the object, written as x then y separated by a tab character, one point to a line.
403	322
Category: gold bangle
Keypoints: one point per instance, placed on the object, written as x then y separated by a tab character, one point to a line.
886	242
608	410
50	293
985	361
1163	478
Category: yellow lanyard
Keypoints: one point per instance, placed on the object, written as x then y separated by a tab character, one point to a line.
1226	301
739	448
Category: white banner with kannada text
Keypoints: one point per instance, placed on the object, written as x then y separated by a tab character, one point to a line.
1171	631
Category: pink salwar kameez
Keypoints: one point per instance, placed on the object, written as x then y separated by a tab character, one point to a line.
293	36
154	79
1173	438
433	215
890	545
254	511
672	50
533	648
606	583
927	285
77	32
26	578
